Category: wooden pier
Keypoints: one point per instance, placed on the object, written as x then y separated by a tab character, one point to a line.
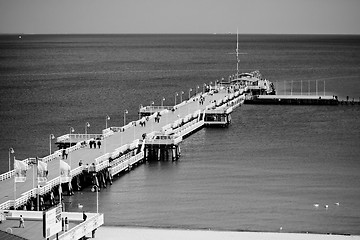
156	136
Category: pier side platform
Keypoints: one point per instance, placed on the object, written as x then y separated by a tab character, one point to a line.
292	100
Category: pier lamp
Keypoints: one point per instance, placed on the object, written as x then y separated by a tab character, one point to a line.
11	151
87	124
107	118
51	136
210	85
176	94
204	85
190	90
140	107
197	88
96	188
125	112
71	131
162	102
182	92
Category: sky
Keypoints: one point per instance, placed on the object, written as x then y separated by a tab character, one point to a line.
180	16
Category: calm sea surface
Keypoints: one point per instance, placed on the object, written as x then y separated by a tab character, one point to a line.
266	171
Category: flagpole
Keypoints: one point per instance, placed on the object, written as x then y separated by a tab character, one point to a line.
37	184
60	190
14	187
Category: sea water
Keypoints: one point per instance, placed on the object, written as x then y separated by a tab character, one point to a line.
267	171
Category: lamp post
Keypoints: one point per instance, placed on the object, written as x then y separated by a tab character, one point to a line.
11	151
196	90
182	92
140	107
204	85
71	131
162	102
176	94
51	136
96	188
107	118
190	90
125	112
87	124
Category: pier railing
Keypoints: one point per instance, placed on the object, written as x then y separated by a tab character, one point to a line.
77	137
84	228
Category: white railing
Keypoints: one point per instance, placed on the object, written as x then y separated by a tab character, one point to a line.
136	158
102	158
84	228
77	137
7	175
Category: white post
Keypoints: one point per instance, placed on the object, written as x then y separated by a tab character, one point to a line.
97	199
106	119
125	112
301	88
10	149
71	130
87	124
190	90
50	137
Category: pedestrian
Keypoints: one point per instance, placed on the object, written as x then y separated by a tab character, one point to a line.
22	222
84	216
66	224
80	163
99	143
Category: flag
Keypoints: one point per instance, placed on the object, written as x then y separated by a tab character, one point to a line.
65	169
42	171
20	168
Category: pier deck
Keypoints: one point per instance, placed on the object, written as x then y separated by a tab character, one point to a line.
109	144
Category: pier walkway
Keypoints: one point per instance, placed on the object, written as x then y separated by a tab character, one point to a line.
125	144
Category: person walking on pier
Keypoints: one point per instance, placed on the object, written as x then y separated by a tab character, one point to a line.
22	222
84	216
98	143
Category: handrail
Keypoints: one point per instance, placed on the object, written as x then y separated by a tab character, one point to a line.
84	228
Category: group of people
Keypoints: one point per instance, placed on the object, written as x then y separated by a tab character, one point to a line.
93	143
201	100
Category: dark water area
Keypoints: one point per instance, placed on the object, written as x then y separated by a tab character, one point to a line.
266	171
